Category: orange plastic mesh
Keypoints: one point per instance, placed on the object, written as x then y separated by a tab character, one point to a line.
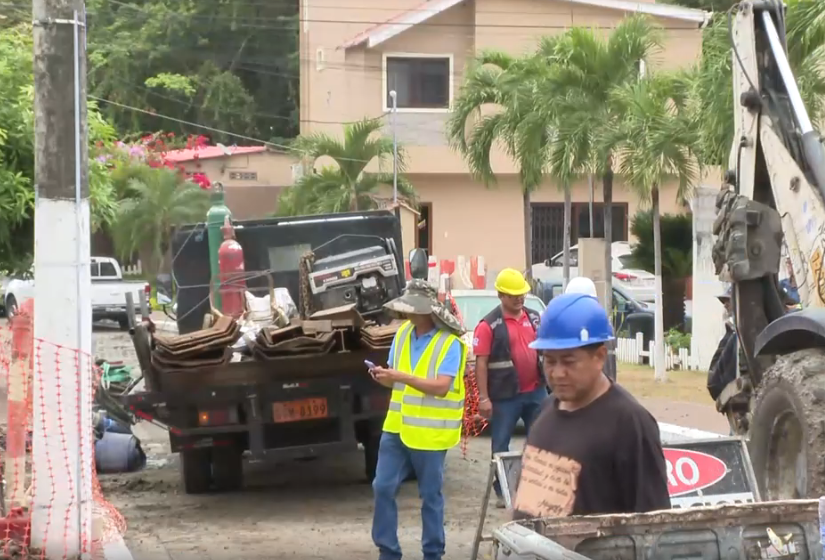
19	352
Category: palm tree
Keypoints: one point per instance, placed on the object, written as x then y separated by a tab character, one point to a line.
510	84
587	69
655	140
152	206
346	186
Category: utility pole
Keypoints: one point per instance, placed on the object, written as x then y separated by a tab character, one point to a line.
394	97
63	450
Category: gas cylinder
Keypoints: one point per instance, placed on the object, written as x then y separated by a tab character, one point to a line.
215	218
231	273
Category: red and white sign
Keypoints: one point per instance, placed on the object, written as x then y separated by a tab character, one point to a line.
689	471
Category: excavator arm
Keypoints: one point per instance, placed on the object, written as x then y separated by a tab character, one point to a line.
773	200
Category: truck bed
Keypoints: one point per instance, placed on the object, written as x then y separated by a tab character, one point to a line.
723	532
286	369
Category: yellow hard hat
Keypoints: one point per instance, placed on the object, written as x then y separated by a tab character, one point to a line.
511	282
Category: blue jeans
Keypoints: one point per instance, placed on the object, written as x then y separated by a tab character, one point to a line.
506	414
395	462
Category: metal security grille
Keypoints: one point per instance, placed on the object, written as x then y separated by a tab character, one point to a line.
548	226
548	230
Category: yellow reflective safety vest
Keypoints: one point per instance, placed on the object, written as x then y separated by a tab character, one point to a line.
423	421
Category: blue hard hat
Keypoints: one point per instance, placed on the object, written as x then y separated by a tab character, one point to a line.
572	321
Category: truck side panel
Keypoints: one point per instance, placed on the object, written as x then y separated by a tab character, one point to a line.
710	533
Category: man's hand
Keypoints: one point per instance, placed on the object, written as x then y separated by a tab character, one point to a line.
387	376
485	407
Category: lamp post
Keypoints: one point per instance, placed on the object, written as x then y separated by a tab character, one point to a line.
394	98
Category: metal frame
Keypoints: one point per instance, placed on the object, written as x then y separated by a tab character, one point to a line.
496	467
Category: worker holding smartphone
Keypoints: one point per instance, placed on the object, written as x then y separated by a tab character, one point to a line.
426	374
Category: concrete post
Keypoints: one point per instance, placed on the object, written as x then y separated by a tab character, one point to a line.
707	324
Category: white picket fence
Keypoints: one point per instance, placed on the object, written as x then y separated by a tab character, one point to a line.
133	269
633	351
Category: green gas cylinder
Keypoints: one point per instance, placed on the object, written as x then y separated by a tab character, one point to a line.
215	217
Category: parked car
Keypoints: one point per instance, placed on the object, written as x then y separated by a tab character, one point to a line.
639	283
629	314
624	306
109	291
473	305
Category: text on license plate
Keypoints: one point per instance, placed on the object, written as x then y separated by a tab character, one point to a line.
295	411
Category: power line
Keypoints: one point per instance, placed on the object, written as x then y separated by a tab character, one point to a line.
281	147
288	26
234	112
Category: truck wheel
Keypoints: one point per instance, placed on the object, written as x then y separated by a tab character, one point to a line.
11	307
227	468
196	470
787	428
123	324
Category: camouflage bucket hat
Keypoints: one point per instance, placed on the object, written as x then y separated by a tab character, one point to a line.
420	298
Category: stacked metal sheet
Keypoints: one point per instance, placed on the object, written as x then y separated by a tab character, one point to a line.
206	348
273	342
379	337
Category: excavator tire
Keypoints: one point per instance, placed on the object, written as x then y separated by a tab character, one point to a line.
787	428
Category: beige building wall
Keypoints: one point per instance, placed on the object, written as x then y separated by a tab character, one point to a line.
252	182
471	220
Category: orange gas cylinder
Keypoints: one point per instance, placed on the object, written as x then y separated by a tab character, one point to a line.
231	273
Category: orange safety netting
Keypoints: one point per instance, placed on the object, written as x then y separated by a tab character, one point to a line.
473	424
37	371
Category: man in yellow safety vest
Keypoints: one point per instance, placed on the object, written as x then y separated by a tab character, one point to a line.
426	374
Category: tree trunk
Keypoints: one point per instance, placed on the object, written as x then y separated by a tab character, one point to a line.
607	186
568	216
673	303
591	187
528	234
659	330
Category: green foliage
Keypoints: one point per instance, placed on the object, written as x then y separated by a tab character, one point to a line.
677	243
707	5
17	153
713	77
155	200
344	186
677	340
554	102
228	65
656	138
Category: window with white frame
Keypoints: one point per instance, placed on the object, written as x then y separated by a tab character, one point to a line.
420	82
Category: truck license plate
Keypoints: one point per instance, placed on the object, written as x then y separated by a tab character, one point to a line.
296	411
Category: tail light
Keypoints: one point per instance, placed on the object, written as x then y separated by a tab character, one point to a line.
625	277
147	289
217	417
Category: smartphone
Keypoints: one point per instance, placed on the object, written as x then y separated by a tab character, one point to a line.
369	364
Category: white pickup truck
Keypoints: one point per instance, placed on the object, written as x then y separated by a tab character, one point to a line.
108	292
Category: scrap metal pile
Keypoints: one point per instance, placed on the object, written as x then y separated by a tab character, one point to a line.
205	348
334	330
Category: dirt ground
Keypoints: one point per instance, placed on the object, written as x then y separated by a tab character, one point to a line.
322	509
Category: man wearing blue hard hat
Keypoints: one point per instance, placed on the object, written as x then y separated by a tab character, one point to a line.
593	449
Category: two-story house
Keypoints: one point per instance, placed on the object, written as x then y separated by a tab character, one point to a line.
354	52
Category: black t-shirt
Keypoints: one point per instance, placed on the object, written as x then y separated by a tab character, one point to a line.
604	458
